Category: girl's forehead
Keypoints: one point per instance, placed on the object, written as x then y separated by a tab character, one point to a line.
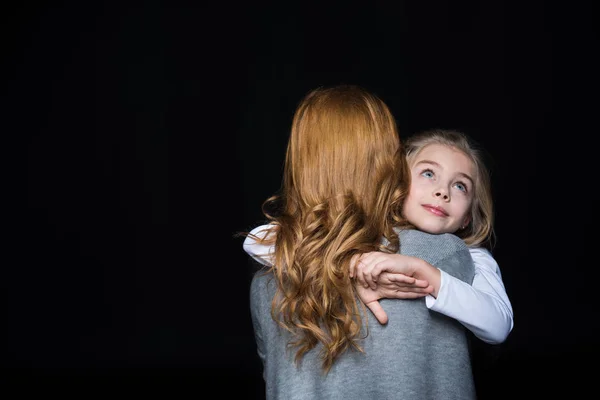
445	155
433	149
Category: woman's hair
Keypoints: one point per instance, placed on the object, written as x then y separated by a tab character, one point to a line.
345	179
480	230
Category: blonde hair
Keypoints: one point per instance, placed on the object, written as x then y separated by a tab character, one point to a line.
480	230
345	179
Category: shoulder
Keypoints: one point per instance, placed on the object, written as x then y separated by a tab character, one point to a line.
430	247
417	238
483	258
259	279
261	285
480	252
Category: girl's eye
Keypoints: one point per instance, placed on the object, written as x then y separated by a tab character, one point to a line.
427	173
461	186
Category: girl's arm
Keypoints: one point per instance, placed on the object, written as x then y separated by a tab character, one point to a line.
483	307
401	287
259	252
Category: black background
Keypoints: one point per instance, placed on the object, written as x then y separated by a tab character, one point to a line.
155	130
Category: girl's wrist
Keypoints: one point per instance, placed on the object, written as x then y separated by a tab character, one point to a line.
432	275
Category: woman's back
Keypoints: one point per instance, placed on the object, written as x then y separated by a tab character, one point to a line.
419	354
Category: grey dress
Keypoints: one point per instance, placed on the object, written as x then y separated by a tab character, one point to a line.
419	354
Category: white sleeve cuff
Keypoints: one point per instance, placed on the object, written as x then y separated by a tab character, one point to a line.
434	303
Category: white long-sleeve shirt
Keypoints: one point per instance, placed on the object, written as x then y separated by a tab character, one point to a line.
482	307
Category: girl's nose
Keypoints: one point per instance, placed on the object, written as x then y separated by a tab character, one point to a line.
442	194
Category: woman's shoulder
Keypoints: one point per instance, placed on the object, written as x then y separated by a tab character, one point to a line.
262	283
419	238
430	246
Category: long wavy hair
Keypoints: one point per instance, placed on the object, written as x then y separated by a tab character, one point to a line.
345	179
480	230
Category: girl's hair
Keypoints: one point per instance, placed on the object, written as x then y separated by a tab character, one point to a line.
480	230
345	179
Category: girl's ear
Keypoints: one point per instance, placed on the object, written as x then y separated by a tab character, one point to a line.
466	222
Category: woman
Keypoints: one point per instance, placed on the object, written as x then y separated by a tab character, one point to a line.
345	179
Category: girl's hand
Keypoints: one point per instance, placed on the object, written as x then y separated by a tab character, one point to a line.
367	268
391	286
393	276
388	288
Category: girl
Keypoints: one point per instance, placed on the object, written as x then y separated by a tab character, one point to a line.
449	193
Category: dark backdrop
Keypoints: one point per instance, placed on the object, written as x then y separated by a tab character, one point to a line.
155	130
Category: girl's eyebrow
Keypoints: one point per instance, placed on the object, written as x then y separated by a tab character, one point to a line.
429	162
462	174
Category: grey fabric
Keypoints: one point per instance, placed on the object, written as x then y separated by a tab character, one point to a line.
419	354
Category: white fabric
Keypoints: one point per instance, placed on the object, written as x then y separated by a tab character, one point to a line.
483	307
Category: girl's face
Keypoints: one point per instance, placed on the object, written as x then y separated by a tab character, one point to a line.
441	191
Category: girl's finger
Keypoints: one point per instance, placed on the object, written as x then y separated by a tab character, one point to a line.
353	262
400	278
